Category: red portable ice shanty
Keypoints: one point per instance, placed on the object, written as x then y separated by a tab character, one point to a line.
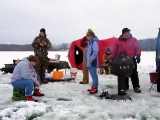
75	53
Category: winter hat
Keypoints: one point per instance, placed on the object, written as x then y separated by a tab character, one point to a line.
91	29
108	50
125	30
43	30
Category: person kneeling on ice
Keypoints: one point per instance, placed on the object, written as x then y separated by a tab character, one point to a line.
25	77
92	60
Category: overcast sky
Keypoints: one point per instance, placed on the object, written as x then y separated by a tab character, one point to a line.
68	20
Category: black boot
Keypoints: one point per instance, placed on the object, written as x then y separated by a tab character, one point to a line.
137	90
44	81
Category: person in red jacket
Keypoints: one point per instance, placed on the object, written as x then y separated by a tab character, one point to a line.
84	43
129	45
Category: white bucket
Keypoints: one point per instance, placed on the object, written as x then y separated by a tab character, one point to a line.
73	72
57	58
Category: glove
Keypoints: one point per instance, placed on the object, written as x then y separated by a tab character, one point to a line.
138	59
109	64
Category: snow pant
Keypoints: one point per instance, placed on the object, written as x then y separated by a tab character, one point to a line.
40	68
106	68
26	84
85	69
134	76
93	73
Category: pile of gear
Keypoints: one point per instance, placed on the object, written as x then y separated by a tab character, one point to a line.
105	95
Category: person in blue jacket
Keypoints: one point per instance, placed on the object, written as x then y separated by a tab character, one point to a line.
92	60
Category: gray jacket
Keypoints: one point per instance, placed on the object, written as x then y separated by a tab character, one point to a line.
23	70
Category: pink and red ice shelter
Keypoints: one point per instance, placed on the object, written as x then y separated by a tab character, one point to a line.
75	53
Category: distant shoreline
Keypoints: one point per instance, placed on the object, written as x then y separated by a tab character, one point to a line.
33	51
61	51
146	45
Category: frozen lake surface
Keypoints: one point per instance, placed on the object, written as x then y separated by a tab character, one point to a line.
144	106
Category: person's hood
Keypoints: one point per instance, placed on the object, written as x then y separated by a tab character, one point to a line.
26	60
93	39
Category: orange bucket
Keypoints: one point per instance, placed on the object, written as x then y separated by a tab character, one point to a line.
57	75
153	77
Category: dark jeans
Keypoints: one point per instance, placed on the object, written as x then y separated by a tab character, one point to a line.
134	76
93	73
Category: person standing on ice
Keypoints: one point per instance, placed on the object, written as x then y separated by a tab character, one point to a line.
25	77
84	43
129	45
92	60
41	44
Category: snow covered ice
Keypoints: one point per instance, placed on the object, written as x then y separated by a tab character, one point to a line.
81	105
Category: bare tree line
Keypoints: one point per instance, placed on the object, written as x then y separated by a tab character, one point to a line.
61	47
148	44
28	47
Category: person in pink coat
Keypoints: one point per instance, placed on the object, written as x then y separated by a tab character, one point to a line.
129	45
